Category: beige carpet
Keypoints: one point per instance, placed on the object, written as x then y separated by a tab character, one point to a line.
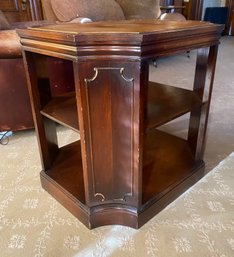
199	223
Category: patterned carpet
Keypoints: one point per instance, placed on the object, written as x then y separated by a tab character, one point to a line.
199	223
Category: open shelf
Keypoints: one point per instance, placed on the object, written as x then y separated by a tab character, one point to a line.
166	103
167	160
67	171
62	109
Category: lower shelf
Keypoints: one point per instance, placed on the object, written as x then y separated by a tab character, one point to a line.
168	170
67	171
167	161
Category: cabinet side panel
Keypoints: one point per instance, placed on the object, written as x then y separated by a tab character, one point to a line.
107	98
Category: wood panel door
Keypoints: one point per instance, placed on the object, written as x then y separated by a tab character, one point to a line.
15	10
21	10
193	9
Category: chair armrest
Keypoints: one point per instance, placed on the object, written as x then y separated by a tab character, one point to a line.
10	46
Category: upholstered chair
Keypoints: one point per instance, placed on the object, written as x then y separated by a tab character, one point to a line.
140	9
98	10
15	109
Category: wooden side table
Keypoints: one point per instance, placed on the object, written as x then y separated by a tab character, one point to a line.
124	169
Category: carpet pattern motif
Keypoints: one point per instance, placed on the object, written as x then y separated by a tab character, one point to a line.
199	223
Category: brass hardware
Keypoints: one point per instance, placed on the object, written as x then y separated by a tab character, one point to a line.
24	5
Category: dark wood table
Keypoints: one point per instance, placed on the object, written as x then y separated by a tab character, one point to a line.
124	169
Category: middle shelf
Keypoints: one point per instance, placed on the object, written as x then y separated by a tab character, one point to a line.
63	110
164	103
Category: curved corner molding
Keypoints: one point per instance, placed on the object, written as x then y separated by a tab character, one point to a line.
101	195
123	76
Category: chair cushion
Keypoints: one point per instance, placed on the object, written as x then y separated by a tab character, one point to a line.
4	24
96	10
140	9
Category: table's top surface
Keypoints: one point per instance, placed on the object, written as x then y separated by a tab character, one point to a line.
138	37
126	27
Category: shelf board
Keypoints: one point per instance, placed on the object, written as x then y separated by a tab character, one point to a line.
166	103
67	171
62	109
167	161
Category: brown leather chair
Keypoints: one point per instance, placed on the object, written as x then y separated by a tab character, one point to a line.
15	110
15	107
